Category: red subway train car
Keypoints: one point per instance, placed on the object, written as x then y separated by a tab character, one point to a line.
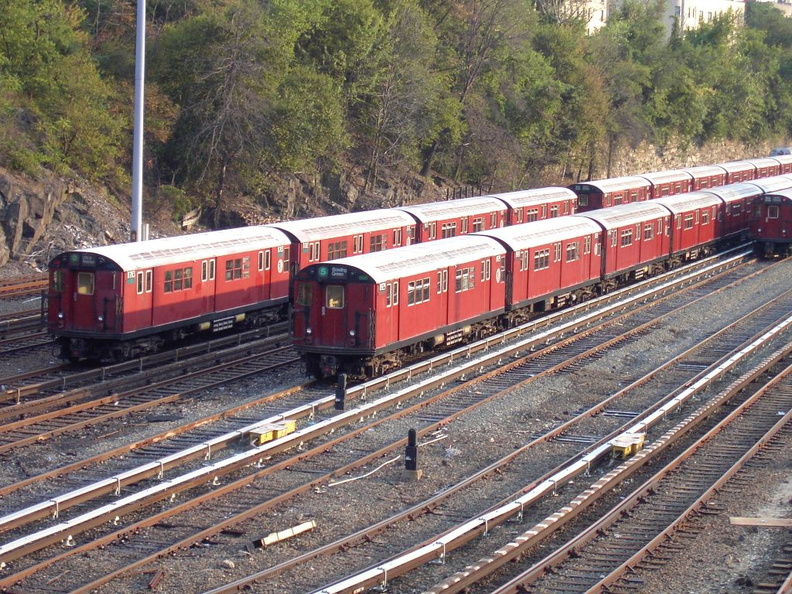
373	306
771	224
123	300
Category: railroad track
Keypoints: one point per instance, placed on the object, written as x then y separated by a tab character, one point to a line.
23	286
311	469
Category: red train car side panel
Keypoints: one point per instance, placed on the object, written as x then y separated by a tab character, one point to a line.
694	226
636	235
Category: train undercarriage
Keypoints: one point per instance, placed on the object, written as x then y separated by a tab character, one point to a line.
104	350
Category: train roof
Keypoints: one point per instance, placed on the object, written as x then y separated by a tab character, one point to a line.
689	201
664	177
537	233
420	258
772	184
617	183
734	192
763	162
705	170
779	196
535	197
784	159
626	214
185	248
734	166
352	223
435	211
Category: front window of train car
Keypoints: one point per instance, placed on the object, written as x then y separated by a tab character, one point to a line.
85	283
334	296
304	294
57	281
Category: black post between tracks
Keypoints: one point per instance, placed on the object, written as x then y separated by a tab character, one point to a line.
411	452
340	391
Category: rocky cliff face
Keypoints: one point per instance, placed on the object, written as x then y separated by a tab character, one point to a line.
41	218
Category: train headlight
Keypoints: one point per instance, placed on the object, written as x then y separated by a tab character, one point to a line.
60	315
352	333
100	318
308	331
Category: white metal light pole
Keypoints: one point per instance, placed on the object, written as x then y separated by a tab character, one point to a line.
137	148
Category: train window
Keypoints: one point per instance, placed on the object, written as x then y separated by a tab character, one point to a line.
336	249
418	291
626	237
396	293
617	200
542	259
57	281
267	260
638	232
648	232
583	200
85	283
554	211
523	260
587	244
377	243
439	281
432	230
544	211
149	280
465	279
304	294
177	280
388	294
557	252
315	251
168	281
260	261
286	259
772	212
688	221
572	252
478	224
357	244
334	296
532	215
486	270
659	227
566	207
448	230
139	282
188	278
705	217
518	215
237	268
465	223
410	235
493	220
397	237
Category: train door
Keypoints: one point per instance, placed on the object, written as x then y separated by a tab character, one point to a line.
334	324
143	312
96	300
772	222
